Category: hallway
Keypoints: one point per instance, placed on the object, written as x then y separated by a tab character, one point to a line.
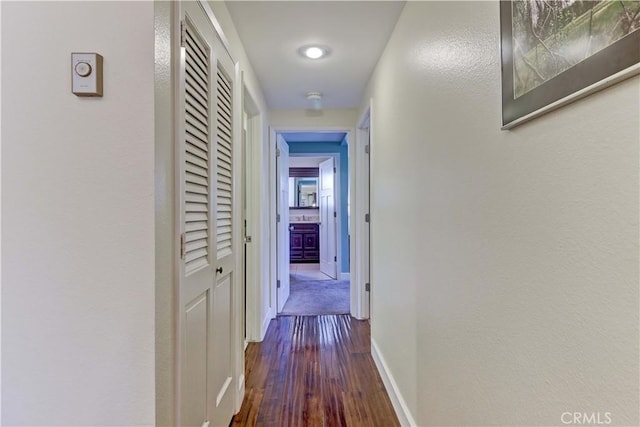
139	236
314	371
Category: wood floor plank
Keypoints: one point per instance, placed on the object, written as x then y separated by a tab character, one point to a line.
314	371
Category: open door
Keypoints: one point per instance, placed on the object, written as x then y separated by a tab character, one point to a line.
206	223
328	257
282	217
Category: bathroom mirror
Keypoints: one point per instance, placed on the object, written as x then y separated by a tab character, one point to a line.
303	187
303	192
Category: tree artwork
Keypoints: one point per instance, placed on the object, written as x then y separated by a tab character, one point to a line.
551	36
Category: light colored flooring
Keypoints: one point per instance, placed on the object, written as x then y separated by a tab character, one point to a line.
314	293
307	272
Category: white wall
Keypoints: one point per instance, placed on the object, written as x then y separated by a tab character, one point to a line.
505	263
78	213
292	119
305	162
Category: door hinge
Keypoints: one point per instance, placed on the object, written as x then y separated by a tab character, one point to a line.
183	246
334	170
278	284
277	217
367	287
367	149
277	152
183	34
367	218
335	259
335	215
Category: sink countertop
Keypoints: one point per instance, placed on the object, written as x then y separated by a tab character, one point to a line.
304	219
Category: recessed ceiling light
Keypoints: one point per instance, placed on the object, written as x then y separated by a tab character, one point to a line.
313	52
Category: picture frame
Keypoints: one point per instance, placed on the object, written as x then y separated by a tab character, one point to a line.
537	75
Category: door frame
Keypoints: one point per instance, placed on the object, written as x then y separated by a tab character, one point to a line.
285	286
238	318
255	329
237	116
165	212
361	246
273	132
338	207
167	252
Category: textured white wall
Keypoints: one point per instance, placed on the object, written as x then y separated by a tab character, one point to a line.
78	217
505	263
309	118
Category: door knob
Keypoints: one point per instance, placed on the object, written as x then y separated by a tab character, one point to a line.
219	270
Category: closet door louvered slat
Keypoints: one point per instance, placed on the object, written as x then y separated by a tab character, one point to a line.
224	169
196	155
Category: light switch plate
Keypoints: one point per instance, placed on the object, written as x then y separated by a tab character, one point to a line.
86	74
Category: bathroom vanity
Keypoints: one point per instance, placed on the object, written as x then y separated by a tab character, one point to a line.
304	243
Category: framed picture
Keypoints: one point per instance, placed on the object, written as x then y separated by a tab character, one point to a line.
557	51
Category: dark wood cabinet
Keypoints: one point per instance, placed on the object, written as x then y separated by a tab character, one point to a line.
304	243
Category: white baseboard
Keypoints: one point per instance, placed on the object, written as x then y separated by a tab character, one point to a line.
240	393
241	383
398	402
265	324
345	276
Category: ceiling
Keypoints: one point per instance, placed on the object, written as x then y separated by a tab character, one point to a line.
273	31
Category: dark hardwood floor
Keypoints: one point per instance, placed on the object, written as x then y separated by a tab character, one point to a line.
314	371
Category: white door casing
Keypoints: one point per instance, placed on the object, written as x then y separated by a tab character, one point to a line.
206	221
258	291
360	304
328	252
366	241
282	190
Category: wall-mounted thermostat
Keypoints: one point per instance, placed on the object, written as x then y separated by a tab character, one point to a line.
86	74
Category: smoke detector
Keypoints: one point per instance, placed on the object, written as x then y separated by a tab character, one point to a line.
316	100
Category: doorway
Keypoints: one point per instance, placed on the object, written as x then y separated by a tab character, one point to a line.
251	198
313	256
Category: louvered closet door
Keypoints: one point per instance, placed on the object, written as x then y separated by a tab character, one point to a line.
206	221
225	247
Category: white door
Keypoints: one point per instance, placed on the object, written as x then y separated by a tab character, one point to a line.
206	285
328	259
282	167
